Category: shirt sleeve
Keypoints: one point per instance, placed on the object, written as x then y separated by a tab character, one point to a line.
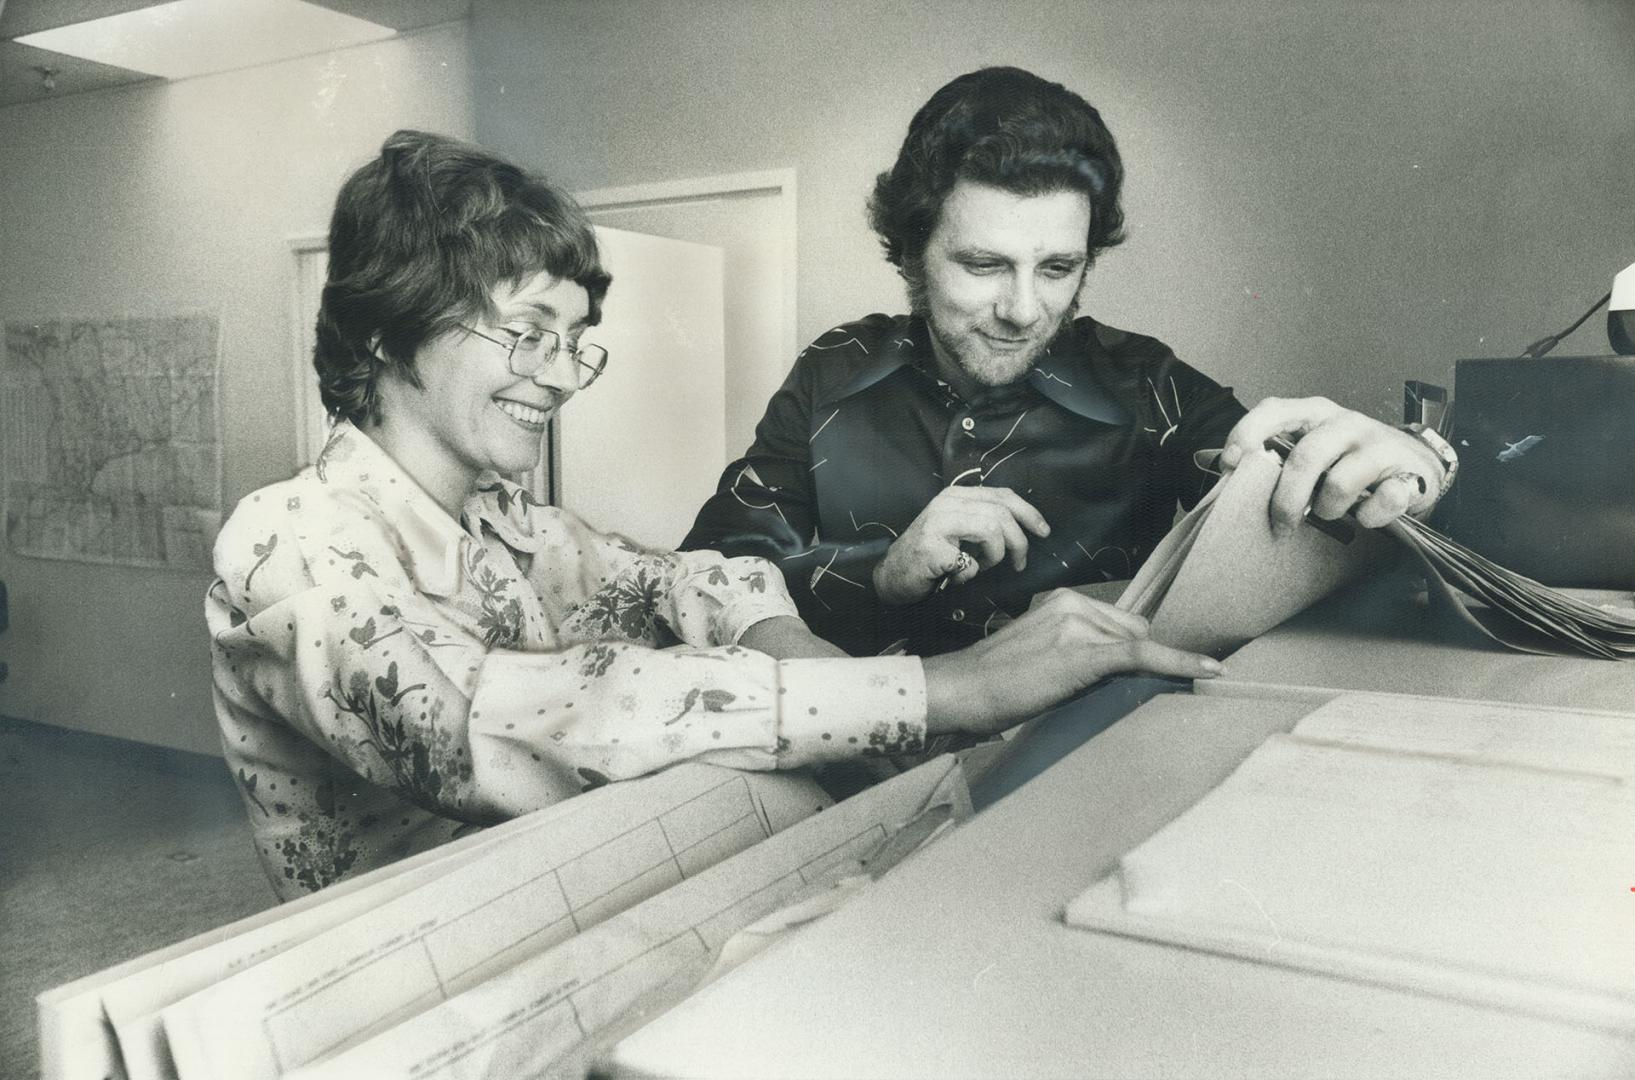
1197	414
319	624
766	505
700	598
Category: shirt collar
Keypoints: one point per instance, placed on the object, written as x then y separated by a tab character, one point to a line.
897	350
431	540
1063	374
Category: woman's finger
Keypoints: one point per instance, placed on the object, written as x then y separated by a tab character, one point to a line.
1124	623
1145	654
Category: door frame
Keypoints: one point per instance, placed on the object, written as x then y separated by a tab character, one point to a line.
777	183
311	423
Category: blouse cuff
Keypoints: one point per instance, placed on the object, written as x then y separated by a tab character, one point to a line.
734	622
840	707
731	595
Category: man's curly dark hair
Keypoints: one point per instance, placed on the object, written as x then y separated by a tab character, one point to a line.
420	238
1004	127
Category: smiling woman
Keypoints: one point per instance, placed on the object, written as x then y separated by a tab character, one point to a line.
406	643
469	405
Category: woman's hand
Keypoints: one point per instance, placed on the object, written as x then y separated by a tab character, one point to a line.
1065	642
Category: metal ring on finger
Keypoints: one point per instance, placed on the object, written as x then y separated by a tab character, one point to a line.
961	564
1412	479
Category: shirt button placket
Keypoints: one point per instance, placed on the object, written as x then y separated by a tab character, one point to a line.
960	450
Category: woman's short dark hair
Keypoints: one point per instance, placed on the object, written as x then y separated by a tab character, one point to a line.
1000	126
420	239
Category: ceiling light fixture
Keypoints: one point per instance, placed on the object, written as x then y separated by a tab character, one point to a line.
197	37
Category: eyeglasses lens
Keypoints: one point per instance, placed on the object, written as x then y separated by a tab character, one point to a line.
534	352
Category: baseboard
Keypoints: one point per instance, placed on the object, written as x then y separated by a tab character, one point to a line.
112	748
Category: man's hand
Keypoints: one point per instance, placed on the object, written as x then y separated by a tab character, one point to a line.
1355	456
1065	642
993	524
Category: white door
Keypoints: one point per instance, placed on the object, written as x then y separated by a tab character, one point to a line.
751	217
640	451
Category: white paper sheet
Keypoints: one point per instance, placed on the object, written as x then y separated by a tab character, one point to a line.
1497	874
133	1004
526	1020
1587	741
1220	577
508	903
1512	609
77	1039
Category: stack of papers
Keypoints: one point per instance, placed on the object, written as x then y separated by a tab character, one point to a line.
515	951
1220	577
1475	851
1513	610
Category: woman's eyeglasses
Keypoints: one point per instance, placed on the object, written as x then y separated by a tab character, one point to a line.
529	354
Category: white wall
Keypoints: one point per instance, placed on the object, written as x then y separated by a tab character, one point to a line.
1323	195
170	197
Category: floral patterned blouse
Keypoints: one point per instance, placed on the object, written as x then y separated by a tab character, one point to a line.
386	676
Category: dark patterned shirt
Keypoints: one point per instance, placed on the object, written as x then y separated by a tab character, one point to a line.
1100	437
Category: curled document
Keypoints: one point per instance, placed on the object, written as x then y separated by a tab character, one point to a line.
1473	851
550	1013
1220	577
512	900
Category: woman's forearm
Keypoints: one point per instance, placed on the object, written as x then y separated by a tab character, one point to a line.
786	638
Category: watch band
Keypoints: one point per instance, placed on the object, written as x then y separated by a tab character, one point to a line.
1443	451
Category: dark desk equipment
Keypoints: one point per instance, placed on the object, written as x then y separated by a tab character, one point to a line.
1547	467
1424	403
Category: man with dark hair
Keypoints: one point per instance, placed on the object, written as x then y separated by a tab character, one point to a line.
918	478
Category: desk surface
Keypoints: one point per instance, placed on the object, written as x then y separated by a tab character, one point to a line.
1376	637
957	964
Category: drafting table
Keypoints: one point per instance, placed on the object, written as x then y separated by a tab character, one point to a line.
957	964
1379	637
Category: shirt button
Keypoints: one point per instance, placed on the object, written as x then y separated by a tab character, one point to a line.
958	614
967	423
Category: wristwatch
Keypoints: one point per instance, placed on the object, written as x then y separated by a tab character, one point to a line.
1444	453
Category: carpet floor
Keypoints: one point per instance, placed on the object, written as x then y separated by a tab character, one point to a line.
108	849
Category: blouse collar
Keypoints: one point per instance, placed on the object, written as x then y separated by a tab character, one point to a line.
431	540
